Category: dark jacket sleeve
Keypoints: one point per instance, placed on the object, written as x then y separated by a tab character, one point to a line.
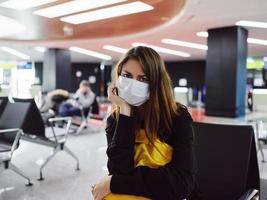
173	181
121	138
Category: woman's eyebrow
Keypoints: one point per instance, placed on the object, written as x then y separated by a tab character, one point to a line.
126	71
142	75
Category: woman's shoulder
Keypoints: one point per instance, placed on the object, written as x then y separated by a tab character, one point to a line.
182	122
183	115
111	122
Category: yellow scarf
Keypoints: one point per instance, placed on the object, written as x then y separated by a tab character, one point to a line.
149	155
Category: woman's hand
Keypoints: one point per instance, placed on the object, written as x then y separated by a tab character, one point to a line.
101	189
125	108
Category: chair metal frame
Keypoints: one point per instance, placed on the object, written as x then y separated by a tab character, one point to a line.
85	119
6	160
260	141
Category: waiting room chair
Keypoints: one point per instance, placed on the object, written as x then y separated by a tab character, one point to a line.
9	142
28	118
3	102
227	161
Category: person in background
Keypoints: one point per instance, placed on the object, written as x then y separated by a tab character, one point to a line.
150	136
81	101
51	103
84	95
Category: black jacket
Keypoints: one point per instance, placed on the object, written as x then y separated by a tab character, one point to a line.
174	181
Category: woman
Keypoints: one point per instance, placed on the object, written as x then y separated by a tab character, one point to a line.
150	139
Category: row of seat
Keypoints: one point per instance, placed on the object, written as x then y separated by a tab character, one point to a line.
21	119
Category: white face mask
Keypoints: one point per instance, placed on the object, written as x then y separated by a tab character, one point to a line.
132	91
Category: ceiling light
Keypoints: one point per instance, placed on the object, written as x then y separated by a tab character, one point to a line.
90	53
252	24
74	7
24	4
163	50
257	41
203	34
40	49
106	13
115	49
185	44
10	26
15	52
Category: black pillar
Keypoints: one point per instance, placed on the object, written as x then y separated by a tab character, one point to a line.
226	72
57	70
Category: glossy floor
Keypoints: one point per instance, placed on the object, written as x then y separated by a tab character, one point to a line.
62	181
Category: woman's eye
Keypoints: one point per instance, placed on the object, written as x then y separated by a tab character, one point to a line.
144	79
126	75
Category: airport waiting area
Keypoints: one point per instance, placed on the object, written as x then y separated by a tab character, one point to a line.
133	100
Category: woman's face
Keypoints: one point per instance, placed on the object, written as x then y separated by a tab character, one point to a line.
132	69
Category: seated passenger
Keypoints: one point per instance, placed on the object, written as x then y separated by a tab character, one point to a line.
51	103
81	101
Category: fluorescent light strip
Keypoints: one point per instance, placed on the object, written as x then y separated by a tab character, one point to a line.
257	41
15	52
184	44
163	50
90	53
74	7
252	24
202	34
24	4
40	49
106	13
115	49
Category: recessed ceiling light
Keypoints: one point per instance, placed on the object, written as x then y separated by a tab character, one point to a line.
10	26
163	50
115	49
106	13
90	53
74	7
40	49
24	4
185	44
202	34
257	41
15	52
252	24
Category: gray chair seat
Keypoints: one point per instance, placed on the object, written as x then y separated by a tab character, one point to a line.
4	147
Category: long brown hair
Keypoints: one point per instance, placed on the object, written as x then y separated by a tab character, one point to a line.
161	107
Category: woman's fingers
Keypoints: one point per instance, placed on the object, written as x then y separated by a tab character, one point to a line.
113	96
111	89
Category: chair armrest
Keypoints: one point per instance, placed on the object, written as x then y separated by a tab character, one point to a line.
249	195
9	130
57	119
16	140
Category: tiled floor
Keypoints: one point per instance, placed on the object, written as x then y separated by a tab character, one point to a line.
62	181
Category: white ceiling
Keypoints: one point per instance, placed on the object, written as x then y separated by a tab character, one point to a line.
198	15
